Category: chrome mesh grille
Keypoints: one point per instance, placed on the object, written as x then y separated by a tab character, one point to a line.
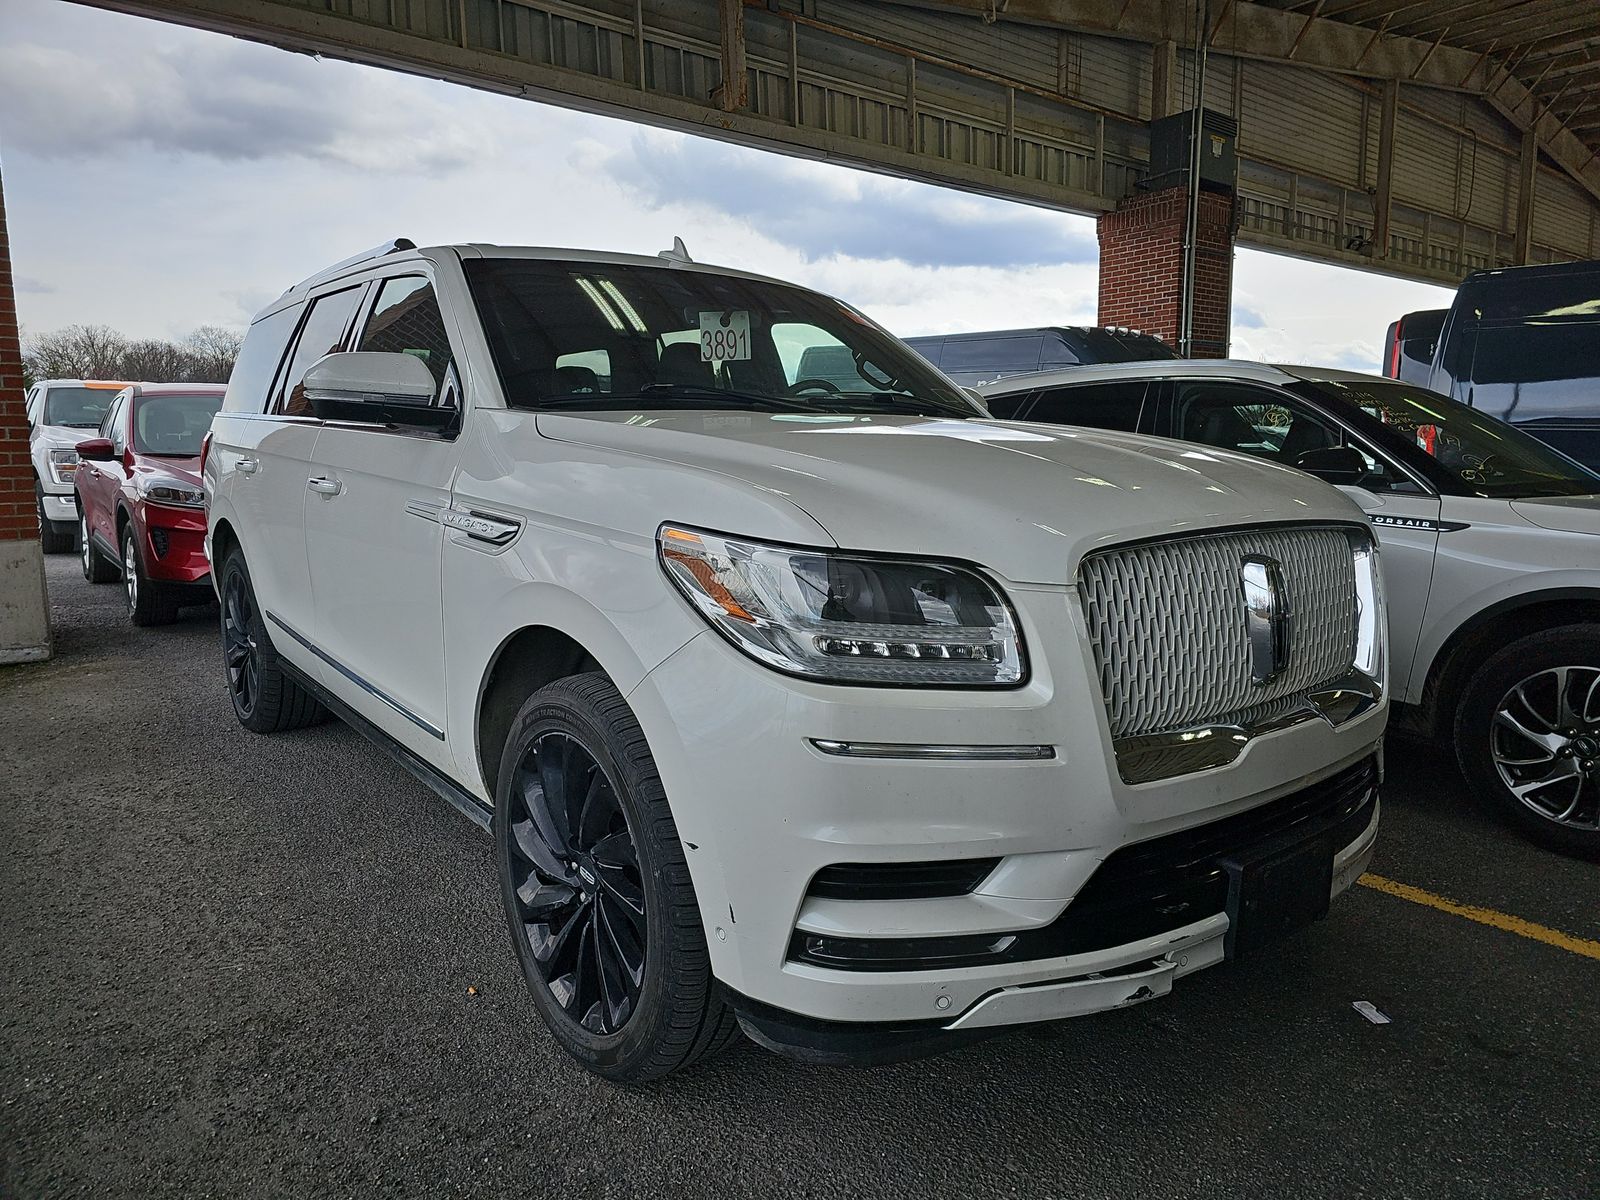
1168	625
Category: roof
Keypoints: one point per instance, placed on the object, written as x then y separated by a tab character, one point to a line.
115	385
177	389
1175	368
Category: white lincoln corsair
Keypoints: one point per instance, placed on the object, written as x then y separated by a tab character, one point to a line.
832	709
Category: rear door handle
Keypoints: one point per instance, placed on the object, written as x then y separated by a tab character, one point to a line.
328	487
249	465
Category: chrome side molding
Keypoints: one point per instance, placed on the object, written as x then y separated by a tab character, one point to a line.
934	752
1152	756
479	526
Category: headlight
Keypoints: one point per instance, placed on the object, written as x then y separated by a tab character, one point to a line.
1371	622
848	618
63	465
160	490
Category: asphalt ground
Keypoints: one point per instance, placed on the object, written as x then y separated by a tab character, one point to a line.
236	966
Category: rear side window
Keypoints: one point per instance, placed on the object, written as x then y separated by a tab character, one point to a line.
1098	405
321	333
258	361
982	360
1534	371
406	320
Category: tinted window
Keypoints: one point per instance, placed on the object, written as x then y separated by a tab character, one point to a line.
991	358
406	320
258	361
1461	449
1514	295
116	427
676	338
173	425
929	348
1100	405
77	407
322	333
1533	371
1092	345
1268	424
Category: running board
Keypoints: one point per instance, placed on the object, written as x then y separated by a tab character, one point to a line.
441	784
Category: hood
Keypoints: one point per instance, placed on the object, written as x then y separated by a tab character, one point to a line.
184	470
64	437
1027	501
1570	514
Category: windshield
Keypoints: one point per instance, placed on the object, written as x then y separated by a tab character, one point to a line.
568	335
173	426
1461	449
77	407
1120	345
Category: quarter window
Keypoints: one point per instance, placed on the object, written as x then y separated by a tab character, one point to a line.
258	361
1098	405
406	320
322	333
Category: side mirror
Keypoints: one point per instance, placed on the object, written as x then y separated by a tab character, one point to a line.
96	450
1334	464
384	389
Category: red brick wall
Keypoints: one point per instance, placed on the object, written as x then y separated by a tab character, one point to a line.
18	509
1141	267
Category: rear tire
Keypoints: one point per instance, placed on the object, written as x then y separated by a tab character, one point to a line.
95	567
597	893
149	602
53	539
1530	719
266	698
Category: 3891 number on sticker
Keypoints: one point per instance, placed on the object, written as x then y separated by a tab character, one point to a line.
724	336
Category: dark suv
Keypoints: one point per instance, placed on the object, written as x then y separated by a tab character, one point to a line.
976	358
1523	344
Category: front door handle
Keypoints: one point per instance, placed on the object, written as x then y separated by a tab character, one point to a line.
324	485
249	465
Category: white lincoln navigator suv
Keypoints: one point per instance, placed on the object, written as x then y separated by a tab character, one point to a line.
832	709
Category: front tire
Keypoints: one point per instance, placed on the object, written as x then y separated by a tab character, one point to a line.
266	699
1528	736
53	539
149	602
597	894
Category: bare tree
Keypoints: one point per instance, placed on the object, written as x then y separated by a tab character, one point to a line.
153	359
76	352
211	350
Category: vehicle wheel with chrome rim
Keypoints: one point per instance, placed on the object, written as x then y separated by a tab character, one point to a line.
266	698
149	603
95	567
596	888
1528	735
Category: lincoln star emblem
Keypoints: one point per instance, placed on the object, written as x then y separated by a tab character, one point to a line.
1268	620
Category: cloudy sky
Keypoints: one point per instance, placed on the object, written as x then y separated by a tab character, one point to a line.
159	178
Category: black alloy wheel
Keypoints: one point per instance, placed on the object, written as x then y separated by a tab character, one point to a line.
580	896
240	654
598	899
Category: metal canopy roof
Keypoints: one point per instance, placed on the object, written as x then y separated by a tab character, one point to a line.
1551	47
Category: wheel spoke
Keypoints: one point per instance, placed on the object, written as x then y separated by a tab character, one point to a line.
529	843
540	898
617	987
529	787
1548	741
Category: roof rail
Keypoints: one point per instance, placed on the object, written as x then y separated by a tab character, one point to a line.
393	246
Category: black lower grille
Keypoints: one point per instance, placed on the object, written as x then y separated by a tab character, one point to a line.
159	542
1139	891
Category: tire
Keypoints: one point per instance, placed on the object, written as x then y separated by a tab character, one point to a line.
266	699
149	602
95	567
1554	757
52	538
659	1009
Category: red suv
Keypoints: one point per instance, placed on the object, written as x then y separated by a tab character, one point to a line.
141	509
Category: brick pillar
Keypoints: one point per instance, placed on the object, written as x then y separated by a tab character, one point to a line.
24	608
1141	267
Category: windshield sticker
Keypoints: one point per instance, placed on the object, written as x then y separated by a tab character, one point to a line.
725	336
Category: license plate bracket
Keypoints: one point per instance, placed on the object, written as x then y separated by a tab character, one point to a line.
1275	890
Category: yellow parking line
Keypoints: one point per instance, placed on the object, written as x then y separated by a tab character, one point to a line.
1486	916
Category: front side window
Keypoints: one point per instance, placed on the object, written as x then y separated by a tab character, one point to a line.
77	407
1459	448
1269	424
322	333
406	320
1098	405
115	428
174	425
602	335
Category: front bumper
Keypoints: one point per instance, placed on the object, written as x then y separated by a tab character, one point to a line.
175	549
60	506
761	810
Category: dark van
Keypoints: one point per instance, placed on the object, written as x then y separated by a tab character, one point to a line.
974	358
1409	344
1523	344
